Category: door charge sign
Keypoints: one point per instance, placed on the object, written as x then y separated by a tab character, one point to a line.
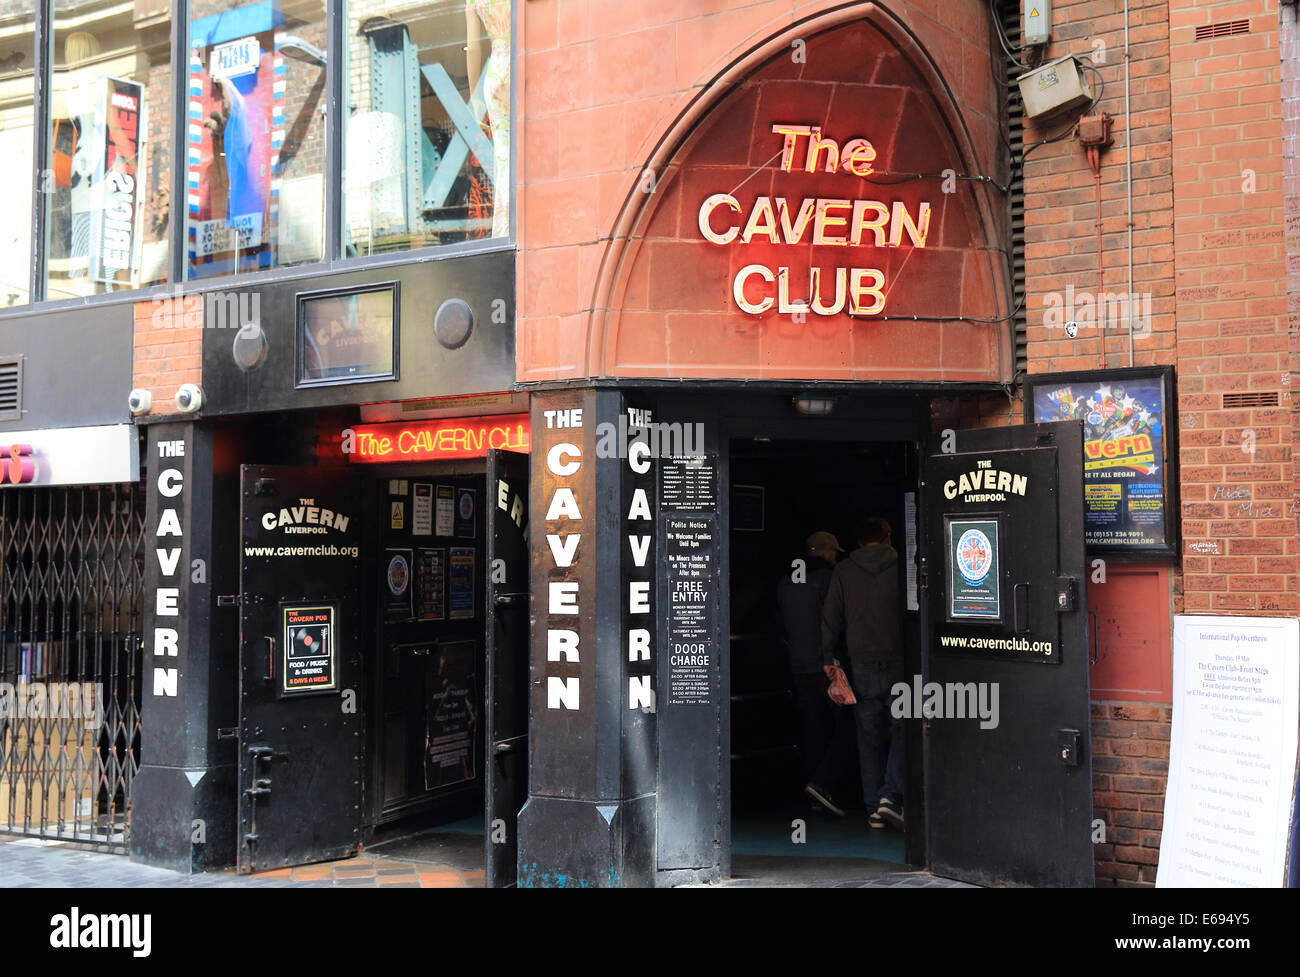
308	650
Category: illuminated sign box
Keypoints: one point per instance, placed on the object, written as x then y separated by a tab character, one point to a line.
455	437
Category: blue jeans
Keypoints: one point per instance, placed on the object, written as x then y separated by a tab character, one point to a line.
880	736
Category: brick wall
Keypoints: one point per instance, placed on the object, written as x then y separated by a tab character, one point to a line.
168	348
1209	251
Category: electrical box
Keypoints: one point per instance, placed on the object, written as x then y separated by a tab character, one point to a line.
1038	21
1054	88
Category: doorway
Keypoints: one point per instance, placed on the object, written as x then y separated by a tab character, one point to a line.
425	779
782	491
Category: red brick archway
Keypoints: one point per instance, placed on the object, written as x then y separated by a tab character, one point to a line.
664	303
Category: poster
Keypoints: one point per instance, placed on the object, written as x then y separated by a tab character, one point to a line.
397	585
430	585
445	509
973	569
422	509
1125	423
460	583
115	182
1232	754
451	715
465	509
309	650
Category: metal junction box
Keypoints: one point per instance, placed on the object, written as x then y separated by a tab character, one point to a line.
1053	88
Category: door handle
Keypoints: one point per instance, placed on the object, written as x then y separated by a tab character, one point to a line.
1020	608
270	658
509	745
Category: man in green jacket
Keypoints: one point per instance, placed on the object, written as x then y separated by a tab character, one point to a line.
863	615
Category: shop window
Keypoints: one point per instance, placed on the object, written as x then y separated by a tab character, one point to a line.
17	86
108	168
256	148
427	124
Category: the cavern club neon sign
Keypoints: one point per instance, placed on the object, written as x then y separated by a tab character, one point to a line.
821	221
459	437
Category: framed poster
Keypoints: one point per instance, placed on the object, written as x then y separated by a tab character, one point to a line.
309	650
460	582
431	599
1130	452
451	715
973	568
465	510
397	585
348	335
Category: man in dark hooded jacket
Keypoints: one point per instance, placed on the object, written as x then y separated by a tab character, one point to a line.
862	616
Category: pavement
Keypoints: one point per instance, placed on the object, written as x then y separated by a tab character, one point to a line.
27	863
431	859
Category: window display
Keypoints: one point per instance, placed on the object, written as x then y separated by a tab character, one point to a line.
109	157
17	85
427	137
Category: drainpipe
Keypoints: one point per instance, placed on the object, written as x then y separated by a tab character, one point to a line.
1128	167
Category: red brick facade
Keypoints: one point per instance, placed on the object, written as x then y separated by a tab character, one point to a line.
1215	130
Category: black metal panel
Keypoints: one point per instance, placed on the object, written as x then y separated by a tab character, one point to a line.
300	755
61	390
507	660
1003	805
485	363
71	608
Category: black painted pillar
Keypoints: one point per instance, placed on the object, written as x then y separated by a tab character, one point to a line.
183	799
590	815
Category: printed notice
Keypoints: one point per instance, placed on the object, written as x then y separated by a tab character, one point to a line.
445	510
692	654
422	509
1232	752
688	483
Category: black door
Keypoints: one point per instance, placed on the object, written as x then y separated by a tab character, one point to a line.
1004	697
301	742
507	660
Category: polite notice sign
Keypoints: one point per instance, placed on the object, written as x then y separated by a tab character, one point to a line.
308	650
1230	799
692	655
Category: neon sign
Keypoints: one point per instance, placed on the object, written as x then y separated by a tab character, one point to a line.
456	437
19	466
819	221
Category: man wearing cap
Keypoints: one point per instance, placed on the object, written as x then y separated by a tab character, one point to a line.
800	595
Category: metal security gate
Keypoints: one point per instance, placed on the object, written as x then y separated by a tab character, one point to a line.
71	610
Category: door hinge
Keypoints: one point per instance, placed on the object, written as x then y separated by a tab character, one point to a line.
230	600
227	732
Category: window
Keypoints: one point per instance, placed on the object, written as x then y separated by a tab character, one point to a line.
427	123
255	153
238	157
17	86
108	166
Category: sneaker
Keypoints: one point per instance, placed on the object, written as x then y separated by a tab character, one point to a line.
823	797
875	820
889	814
